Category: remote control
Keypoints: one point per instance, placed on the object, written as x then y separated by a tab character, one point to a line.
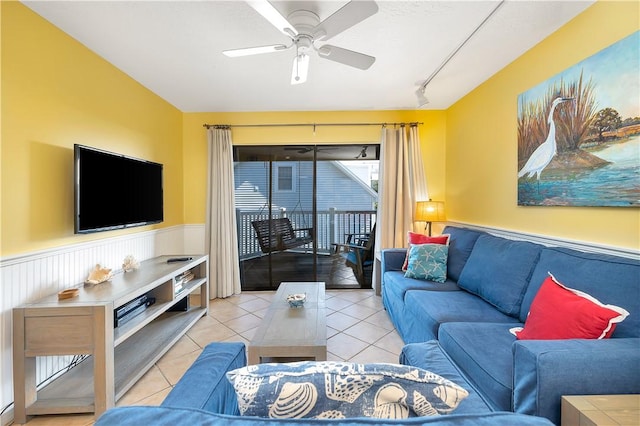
179	259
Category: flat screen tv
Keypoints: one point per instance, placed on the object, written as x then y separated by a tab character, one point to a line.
113	191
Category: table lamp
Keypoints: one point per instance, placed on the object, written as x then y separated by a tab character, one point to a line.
429	211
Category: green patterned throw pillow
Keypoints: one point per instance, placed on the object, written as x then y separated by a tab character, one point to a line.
338	390
428	262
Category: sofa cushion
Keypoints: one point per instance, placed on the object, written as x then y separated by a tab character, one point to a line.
325	390
393	292
428	262
610	279
558	312
461	242
498	270
415	238
397	284
426	310
483	352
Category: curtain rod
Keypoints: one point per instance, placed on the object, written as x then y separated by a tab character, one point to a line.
314	125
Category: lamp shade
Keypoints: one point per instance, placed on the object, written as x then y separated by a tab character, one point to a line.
429	211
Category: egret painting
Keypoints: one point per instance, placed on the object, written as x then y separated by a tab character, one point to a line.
579	133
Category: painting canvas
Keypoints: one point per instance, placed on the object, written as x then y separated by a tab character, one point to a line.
579	133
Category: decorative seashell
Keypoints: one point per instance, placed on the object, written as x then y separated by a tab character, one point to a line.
246	390
391	402
130	263
99	275
331	414
346	388
421	406
296	300
295	400
450	395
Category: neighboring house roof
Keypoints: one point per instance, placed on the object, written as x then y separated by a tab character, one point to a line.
349	173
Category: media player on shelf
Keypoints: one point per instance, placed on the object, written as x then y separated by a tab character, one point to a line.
179	259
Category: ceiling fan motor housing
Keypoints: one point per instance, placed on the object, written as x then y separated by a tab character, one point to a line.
304	22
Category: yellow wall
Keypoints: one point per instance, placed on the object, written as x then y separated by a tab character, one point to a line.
55	93
481	144
432	136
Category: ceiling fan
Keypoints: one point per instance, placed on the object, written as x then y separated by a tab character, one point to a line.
305	29
305	149
363	153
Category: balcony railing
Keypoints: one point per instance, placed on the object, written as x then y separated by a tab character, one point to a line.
332	227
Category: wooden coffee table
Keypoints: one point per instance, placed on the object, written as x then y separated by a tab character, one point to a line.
292	333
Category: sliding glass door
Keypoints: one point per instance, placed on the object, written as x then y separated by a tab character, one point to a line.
295	208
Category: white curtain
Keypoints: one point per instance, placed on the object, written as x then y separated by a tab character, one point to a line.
416	168
221	237
402	184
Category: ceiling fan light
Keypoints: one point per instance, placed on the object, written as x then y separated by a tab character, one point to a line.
300	69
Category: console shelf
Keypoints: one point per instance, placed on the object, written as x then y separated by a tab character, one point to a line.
84	325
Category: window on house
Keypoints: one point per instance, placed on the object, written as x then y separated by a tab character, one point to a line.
284	178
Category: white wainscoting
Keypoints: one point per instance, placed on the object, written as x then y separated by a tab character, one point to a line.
28	277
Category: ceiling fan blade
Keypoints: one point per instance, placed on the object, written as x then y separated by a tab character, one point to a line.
346	56
234	53
299	149
271	14
344	18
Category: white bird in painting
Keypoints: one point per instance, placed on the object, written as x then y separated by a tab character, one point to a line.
543	154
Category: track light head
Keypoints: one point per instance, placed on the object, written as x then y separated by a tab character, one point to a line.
422	99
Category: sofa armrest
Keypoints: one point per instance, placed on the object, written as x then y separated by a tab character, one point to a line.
205	385
544	370
392	259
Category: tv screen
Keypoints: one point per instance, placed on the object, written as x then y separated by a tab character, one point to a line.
113	191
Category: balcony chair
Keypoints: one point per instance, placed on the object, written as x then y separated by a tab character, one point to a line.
359	254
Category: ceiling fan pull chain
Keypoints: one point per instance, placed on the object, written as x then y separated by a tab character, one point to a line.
297	77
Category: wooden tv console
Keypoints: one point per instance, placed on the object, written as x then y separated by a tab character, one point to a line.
84	324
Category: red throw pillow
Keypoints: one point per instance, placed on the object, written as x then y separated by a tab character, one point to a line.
559	312
415	238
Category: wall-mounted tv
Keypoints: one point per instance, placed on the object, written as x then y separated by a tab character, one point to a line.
113	191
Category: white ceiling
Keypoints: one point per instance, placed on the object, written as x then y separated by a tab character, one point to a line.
174	48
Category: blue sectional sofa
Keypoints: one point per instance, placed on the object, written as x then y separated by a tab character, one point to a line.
491	284
204	396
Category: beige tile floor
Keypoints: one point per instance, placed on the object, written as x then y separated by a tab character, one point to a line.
358	329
